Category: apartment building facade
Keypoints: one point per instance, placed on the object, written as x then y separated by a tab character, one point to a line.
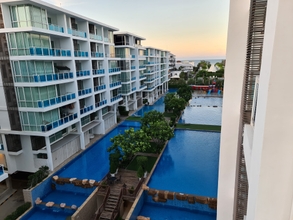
255	181
62	79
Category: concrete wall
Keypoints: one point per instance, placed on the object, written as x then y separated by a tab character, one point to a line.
270	184
230	137
89	207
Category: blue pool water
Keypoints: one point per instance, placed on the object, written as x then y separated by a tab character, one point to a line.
94	162
44	213
206	101
189	164
158	106
164	212
201	115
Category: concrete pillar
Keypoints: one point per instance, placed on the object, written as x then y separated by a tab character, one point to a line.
49	154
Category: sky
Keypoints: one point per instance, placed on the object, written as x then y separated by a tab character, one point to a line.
190	29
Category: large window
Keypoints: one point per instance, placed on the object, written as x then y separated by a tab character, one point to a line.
32	121
27	16
20	43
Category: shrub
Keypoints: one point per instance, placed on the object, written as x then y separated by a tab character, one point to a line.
122	111
144	101
142	161
140	172
18	212
38	176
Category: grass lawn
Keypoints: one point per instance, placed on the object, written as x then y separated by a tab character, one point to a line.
133	164
133	118
199	127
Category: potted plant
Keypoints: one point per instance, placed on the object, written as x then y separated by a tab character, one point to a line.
131	190
140	172
113	168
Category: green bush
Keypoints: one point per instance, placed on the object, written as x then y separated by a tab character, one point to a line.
38	176
122	111
142	161
140	172
144	101
18	212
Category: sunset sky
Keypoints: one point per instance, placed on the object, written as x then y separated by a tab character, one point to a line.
191	29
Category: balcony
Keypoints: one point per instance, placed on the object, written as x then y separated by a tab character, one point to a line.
101	103
150	88
142	86
82	73
150	80
142	76
79	53
52	125
86	109
98	71
84	91
133	89
101	87
96	37
54	27
115	84
44	78
133	78
116	98
142	66
133	56
42	51
106	39
114	70
133	67
97	54
47	102
76	33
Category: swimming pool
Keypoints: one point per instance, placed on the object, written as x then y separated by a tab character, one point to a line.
158	106
93	163
206	100
189	164
201	115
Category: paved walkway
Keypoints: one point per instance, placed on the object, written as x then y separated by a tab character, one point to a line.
9	201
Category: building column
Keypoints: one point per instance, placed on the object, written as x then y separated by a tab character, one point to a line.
49	154
81	136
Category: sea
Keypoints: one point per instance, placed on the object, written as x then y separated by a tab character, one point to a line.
212	61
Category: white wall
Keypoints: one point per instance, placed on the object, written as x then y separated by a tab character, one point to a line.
235	61
270	186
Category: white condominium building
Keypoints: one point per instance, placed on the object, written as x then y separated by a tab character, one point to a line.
256	166
61	80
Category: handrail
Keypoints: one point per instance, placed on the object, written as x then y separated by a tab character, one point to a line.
115	212
102	207
138	186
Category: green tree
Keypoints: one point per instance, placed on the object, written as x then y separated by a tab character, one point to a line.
152	116
38	176
160	132
191	82
167	101
130	142
185	92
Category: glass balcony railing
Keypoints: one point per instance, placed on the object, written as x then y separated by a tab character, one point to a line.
97	54
54	27
44	77
142	66
48	126
51	125
114	70
106	39
86	109
84	91
114	84
42	51
133	56
101	103
82	73
142	76
98	71
133	78
133	67
101	87
46	102
96	37
79	53
133	89
150	88
150	80
76	33
141	86
115	98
